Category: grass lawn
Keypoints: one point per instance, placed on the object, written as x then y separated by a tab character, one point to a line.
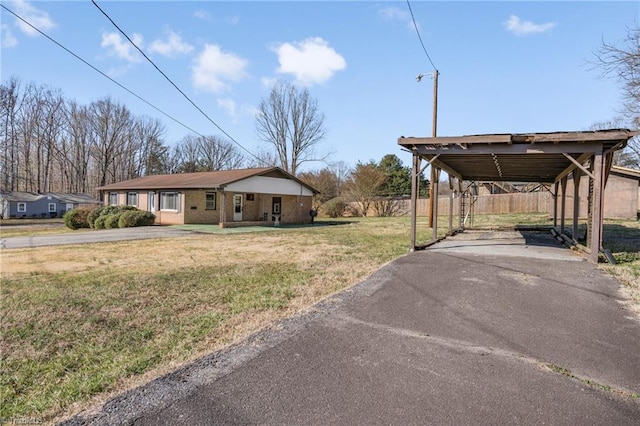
82	323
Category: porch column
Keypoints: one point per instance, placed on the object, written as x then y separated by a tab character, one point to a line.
223	209
415	172
577	177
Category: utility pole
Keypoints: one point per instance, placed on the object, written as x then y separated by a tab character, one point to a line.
415	179
434	124
434	133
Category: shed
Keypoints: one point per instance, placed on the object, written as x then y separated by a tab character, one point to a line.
241	197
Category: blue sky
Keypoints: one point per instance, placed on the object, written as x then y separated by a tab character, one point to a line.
504	66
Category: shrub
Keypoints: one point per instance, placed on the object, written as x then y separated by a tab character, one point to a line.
116	209
107	211
111	220
335	207
95	213
99	222
130	219
76	218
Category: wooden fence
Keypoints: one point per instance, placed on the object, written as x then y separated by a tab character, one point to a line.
529	202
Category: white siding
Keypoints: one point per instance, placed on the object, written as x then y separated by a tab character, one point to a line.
268	185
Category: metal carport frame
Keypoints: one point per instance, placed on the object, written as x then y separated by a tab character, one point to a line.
547	158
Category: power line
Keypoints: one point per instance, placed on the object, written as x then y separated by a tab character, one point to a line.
420	37
100	72
173	84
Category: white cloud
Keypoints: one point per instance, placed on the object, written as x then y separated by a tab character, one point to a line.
523	28
269	82
213	69
121	48
201	14
8	40
228	105
232	20
172	46
311	61
36	17
397	14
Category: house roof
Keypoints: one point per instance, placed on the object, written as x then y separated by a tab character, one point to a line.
25	197
200	180
517	157
625	172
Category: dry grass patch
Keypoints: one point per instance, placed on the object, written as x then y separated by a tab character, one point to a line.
81	322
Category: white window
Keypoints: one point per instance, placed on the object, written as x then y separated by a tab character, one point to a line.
132	199
113	198
52	207
169	201
22	207
210	201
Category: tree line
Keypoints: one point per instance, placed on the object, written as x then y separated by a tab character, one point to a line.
53	144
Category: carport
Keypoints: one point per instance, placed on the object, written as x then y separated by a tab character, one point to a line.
545	158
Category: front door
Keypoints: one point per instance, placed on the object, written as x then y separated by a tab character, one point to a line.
237	208
276	207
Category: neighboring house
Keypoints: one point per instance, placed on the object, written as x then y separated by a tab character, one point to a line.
15	204
621	194
261	196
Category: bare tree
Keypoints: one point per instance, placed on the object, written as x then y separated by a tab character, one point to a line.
325	181
110	124
363	185
622	61
9	105
263	158
218	154
152	156
74	147
205	153
289	120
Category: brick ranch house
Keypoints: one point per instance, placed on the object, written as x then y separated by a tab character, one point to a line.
230	198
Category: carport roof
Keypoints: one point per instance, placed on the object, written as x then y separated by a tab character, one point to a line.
515	157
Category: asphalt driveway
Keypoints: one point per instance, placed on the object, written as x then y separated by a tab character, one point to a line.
515	331
83	237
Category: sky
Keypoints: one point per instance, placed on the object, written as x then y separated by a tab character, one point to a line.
504	67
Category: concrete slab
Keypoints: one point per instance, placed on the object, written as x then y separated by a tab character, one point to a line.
531	244
435	337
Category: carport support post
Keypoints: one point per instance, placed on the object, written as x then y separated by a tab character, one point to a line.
577	176
415	172
555	204
450	204
596	222
563	205
434	216
460	202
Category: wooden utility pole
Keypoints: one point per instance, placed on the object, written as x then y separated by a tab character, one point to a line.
433	198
